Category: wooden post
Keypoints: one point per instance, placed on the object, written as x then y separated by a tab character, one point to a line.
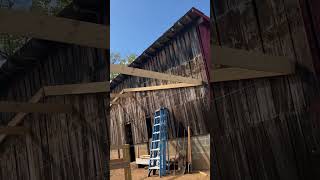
126	158
189	151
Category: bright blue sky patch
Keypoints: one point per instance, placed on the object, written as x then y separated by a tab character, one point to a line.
136	24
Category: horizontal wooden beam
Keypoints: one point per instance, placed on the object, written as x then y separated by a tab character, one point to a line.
35	108
87	88
232	74
124	92
54	29
161	87
55	90
251	60
17	119
14	130
116	68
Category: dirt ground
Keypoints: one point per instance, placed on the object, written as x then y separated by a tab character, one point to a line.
142	174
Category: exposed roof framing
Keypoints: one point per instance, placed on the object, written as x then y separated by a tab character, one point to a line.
232	64
54	28
151	74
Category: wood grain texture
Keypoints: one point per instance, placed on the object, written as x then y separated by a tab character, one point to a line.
14	130
86	88
54	29
127	95
251	60
62	146
160	87
187	103
261	128
234	74
35	107
122	69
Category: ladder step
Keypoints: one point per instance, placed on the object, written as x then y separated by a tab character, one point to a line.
156	158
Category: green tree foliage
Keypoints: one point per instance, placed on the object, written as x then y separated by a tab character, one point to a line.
116	58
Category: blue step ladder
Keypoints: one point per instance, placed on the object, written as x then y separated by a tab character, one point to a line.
159	143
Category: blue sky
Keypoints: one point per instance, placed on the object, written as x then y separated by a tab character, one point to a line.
136	24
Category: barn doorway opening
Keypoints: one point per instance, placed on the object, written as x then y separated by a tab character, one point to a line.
149	127
129	140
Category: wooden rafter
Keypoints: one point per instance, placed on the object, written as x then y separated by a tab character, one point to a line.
233	64
116	68
35	108
54	29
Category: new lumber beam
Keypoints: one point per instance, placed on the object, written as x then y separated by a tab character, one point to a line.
35	108
232	74
160	87
54	29
87	88
116	98
251	60
122	69
14	130
125	92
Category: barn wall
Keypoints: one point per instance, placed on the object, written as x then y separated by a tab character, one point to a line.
62	146
262	129
181	56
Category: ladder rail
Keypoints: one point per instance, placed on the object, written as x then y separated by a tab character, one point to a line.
159	143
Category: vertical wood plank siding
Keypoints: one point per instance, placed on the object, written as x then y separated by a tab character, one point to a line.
263	129
63	146
188	106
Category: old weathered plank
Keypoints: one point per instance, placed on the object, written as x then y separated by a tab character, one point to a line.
187	103
260	124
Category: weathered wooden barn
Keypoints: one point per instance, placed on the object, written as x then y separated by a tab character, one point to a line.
180	53
266	128
54	95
